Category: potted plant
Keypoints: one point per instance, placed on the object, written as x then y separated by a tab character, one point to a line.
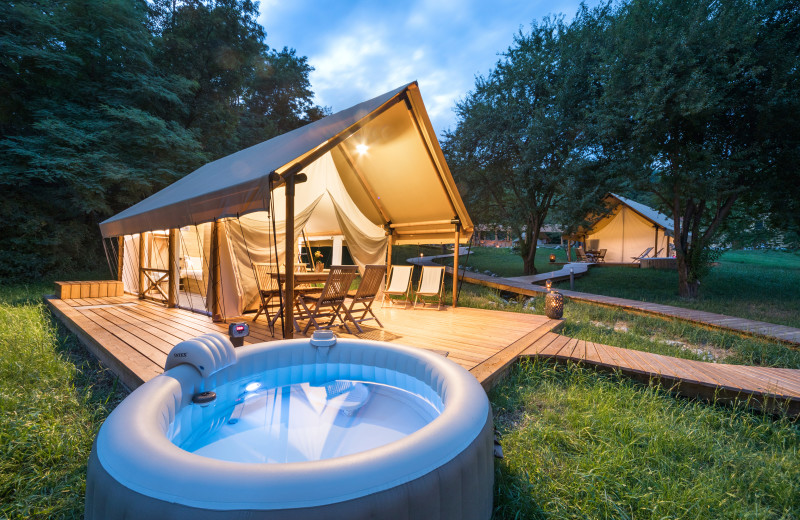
318	265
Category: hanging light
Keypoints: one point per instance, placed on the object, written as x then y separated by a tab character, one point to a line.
362	148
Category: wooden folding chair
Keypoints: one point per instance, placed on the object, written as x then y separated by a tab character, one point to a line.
330	302
431	283
268	286
582	256
365	295
601	255
399	283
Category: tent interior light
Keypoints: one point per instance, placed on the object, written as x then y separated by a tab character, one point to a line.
362	148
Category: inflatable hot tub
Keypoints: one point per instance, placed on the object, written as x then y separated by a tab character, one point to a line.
319	428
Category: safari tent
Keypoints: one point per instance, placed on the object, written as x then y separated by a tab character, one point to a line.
369	177
626	230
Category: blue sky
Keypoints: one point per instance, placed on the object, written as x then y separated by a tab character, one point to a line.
361	48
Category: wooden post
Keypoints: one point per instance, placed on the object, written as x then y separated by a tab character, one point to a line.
389	256
288	298
215	273
655	249
172	266
141	264
120	256
455	266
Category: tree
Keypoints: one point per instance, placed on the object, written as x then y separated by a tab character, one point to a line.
688	97
520	146
278	98
83	133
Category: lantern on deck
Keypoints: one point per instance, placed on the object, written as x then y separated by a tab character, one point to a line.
552	258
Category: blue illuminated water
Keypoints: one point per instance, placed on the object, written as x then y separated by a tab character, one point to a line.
300	422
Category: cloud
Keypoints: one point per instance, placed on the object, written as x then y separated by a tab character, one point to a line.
361	49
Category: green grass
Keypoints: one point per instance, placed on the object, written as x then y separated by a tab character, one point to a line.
621	328
757	285
53	398
579	444
503	262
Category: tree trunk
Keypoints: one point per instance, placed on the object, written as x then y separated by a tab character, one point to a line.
529	256
686	288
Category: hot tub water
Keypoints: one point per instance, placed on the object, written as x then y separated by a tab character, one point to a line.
301	422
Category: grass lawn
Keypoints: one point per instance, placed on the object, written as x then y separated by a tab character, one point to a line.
53	398
503	262
579	444
758	285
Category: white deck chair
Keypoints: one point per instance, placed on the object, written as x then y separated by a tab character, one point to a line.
644	254
399	283
431	283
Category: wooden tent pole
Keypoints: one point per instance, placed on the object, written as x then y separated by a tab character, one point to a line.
141	264
172	292
120	256
655	249
215	273
288	299
389	257
455	266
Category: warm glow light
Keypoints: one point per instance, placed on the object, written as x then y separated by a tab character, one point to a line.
362	148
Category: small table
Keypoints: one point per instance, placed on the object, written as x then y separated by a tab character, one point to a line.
299	279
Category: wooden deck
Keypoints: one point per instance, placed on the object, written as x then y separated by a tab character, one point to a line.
132	337
770	389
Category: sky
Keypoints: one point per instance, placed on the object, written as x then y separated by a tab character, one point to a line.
361	48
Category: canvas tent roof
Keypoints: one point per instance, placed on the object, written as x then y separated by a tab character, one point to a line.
402	181
612	199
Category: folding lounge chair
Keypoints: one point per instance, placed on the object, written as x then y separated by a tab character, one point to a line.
330	302
399	283
643	255
582	257
431	283
268	287
365	295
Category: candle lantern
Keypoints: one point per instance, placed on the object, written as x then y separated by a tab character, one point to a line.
554	305
552	258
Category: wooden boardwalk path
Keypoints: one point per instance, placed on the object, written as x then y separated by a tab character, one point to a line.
765	388
521	285
132	337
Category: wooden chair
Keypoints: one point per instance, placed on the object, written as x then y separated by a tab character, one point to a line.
600	256
329	303
431	283
643	255
364	297
582	257
268	287
399	284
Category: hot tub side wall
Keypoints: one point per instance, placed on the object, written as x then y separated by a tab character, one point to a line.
460	489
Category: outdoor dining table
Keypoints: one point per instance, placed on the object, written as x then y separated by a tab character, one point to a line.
300	278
